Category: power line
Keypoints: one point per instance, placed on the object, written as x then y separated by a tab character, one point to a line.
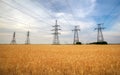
68	4
12	20
26	8
51	2
45	10
22	23
24	12
48	12
118	3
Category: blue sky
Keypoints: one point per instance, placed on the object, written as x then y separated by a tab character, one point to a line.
38	16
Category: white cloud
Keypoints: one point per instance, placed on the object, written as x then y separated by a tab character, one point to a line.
39	19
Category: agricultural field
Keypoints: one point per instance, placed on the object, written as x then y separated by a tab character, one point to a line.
59	59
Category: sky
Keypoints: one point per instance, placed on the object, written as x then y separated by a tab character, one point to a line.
38	17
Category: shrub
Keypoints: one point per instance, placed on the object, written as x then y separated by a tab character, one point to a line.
78	43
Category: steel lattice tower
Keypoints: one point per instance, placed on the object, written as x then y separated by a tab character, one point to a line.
56	33
76	36
13	39
28	39
99	33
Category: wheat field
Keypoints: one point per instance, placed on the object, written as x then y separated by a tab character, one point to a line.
59	59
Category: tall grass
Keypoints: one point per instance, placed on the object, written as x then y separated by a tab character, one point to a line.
59	60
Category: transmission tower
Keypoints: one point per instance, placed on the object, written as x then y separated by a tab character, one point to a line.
76	37
99	33
13	39
28	39
56	33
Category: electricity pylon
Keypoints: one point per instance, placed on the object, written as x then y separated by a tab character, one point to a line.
56	34
13	39
100	37
28	39
76	36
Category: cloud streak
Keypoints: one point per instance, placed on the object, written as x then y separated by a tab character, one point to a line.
38	17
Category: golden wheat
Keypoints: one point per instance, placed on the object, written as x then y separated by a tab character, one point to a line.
59	60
